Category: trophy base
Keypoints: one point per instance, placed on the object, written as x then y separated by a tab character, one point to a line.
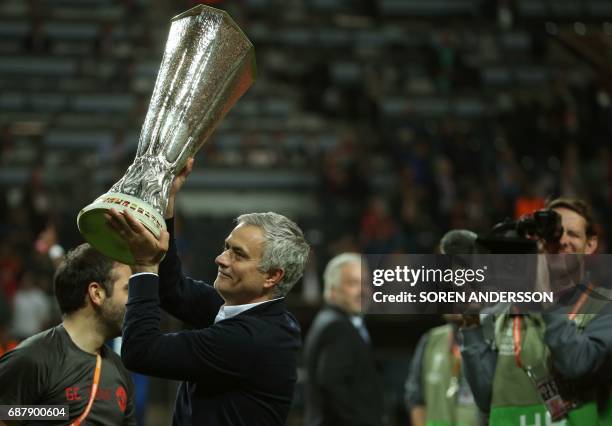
92	224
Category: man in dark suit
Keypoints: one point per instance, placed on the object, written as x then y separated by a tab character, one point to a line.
238	365
343	386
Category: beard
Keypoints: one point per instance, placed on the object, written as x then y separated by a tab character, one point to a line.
110	316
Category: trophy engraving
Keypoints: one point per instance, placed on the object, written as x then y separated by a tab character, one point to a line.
208	64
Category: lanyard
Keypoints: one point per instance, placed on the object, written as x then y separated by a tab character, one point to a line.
456	354
92	395
580	302
516	334
453	386
516	324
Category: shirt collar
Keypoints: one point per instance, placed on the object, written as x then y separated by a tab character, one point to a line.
357	321
226	312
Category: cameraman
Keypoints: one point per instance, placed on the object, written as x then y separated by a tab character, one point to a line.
436	389
529	369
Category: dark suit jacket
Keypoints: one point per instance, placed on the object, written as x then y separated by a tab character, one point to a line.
343	386
239	371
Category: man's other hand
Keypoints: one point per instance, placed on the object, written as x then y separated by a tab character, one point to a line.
177	184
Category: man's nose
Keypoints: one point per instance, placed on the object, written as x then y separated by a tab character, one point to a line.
222	259
563	241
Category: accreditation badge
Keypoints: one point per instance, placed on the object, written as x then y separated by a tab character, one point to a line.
548	388
465	396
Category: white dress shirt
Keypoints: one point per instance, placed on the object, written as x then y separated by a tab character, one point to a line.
226	312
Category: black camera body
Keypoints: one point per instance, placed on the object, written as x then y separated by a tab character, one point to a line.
521	235
515	244
543	225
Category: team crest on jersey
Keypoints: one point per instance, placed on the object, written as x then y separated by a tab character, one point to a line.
121	397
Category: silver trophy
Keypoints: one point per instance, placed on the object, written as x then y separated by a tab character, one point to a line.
208	65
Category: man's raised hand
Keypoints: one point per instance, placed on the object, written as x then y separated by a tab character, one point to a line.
147	250
177	184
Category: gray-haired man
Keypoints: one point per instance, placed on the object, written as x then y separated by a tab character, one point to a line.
238	365
343	386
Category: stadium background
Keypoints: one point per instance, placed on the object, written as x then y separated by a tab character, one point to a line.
377	124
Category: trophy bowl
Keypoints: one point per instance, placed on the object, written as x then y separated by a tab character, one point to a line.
208	64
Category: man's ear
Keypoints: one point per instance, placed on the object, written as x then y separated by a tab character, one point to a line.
273	277
96	293
591	245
